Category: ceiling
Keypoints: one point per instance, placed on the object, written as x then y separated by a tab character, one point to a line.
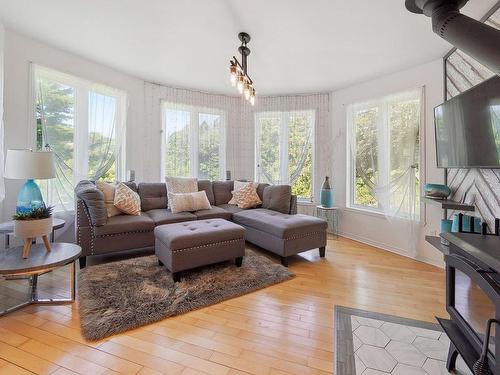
298	46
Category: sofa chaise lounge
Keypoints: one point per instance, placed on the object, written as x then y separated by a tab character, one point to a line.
274	226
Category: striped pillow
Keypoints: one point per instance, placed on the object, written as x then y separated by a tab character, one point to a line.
127	200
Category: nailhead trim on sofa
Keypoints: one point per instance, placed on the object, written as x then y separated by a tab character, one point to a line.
207	245
303	235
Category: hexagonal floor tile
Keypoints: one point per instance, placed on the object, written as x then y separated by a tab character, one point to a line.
354	323
431	348
428	333
376	358
435	367
370	371
406	353
398	332
408	370
360	366
356	343
369	322
371	336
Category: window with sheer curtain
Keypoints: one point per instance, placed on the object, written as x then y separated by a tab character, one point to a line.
384	149
194	142
83	123
284	150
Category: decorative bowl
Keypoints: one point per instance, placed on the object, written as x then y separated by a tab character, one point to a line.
437	191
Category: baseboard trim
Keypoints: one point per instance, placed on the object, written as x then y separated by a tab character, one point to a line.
392	249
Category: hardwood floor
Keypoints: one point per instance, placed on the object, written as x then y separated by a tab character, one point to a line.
283	329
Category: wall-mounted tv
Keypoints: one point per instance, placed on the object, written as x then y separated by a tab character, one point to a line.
468	128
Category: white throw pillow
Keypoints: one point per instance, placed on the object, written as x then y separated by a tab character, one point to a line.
181	185
181	202
109	196
238	185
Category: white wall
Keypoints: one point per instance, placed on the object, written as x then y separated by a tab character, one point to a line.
372	228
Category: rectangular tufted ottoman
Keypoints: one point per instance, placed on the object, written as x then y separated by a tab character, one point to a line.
190	244
283	234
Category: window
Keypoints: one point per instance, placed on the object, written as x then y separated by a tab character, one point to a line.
83	124
384	153
284	150
194	142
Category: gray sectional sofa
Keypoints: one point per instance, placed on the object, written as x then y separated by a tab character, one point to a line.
274	226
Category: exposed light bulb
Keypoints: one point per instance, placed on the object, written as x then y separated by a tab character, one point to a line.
248	89
233	76
241	83
252	97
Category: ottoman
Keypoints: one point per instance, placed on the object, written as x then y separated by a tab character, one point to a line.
283	234
190	244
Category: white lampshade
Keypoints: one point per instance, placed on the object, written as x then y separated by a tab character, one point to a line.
27	164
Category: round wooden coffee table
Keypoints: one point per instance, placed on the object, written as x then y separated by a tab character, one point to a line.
40	261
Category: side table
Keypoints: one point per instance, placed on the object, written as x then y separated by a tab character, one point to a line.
7	229
331	215
40	261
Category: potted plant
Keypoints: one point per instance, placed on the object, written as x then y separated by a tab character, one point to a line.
32	224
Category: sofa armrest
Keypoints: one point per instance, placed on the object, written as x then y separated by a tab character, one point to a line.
293	205
93	202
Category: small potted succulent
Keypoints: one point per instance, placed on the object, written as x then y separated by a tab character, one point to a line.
32	224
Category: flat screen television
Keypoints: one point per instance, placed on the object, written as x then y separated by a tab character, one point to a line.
468	128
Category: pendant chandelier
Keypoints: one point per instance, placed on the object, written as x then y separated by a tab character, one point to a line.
238	71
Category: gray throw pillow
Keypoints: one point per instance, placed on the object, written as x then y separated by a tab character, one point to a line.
277	198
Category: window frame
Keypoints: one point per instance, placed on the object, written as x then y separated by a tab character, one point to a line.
82	90
284	117
383	142
194	123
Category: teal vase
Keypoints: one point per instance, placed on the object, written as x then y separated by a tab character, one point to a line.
29	198
326	196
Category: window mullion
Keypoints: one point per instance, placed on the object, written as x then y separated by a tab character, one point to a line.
81	138
284	118
194	142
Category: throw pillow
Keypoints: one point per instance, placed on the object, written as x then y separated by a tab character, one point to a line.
277	198
181	202
247	196
109	196
239	185
181	185
127	200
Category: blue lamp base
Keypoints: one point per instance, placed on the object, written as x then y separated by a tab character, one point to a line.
29	198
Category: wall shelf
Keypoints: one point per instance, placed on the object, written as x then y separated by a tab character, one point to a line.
447	204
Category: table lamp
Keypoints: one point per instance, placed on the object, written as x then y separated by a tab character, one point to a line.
29	165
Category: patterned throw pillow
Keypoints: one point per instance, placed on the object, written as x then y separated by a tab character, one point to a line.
109	196
247	196
181	185
239	185
181	202
127	200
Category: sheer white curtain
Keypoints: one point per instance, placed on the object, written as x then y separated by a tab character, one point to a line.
288	149
384	144
194	141
84	124
195	132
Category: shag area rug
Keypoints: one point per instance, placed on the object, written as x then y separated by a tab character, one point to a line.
127	294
